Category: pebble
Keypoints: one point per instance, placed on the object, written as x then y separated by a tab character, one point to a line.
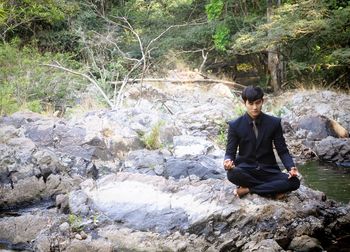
78	237
64	227
83	235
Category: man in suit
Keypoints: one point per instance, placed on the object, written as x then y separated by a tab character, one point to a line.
254	169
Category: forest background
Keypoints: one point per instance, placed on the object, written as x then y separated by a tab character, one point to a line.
52	50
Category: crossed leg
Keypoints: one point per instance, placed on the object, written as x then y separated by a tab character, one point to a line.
252	180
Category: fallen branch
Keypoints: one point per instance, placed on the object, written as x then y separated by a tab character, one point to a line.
230	83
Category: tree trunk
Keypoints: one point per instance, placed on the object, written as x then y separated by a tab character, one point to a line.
275	60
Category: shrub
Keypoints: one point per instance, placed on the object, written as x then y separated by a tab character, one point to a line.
8	103
152	139
34	106
221	138
75	223
25	82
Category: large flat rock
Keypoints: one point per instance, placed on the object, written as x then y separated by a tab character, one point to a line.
146	202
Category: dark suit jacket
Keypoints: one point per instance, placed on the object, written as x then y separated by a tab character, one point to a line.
254	152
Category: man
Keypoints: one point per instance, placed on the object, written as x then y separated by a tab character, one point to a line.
254	169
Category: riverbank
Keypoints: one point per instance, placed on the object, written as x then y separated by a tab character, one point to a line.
149	177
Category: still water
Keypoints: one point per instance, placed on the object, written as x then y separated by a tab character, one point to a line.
333	181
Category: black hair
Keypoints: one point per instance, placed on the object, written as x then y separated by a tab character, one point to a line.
251	93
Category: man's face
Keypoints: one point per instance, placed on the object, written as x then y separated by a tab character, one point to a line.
254	107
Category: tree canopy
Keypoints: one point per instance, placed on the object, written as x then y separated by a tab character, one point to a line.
230	38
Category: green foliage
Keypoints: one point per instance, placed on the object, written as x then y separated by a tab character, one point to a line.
290	21
244	67
221	37
341	56
95	220
313	40
75	223
152	139
34	106
239	109
8	104
26	83
221	138
25	18
214	9
313	37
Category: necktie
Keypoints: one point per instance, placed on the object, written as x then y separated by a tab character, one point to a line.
255	129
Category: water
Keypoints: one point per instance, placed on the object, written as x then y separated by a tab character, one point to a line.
333	181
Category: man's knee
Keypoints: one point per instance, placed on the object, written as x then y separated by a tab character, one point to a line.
294	183
234	175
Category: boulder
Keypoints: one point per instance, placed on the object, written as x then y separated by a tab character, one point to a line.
188	205
326	103
319	127
33	189
305	243
146	161
98	245
153	205
8	132
202	167
333	149
268	245
78	203
186	145
25	228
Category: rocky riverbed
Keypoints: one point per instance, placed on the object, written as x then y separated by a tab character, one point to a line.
88	183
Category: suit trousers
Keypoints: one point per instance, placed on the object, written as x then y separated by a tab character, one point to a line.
262	182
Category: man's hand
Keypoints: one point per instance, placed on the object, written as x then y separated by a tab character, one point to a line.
293	172
228	164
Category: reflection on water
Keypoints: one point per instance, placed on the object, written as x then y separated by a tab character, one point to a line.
333	181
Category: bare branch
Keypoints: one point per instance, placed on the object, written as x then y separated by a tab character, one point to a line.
84	76
116	46
204	56
169	28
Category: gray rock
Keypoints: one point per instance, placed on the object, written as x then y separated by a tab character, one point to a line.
332	105
83	235
185	145
132	240
203	167
40	131
146	161
267	245
78	203
318	126
47	162
93	245
305	244
42	243
78	237
64	227
8	132
24	148
33	189
24	191
190	208
142	202
62	203
25	228
333	149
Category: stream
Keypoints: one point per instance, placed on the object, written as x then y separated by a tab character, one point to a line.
333	181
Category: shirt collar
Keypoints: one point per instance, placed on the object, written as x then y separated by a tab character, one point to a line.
257	120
